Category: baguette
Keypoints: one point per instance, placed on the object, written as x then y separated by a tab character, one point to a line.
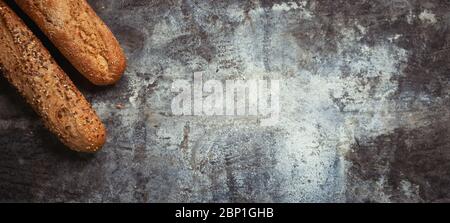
29	67
81	36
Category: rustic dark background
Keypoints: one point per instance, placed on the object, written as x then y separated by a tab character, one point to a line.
364	95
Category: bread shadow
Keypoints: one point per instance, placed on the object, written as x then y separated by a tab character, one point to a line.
16	104
15	108
31	154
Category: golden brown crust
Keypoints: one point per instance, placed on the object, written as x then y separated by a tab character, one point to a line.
83	38
29	67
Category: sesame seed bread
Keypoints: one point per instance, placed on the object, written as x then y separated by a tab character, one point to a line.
81	36
29	67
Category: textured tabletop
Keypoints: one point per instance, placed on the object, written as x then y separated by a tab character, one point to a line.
364	107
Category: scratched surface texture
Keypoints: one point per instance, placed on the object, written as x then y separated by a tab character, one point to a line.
365	107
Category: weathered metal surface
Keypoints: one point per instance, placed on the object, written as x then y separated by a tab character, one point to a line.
364	107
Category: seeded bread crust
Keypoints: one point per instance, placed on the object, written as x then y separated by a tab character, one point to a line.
81	36
29	67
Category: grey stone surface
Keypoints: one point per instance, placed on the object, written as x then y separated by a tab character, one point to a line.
364	107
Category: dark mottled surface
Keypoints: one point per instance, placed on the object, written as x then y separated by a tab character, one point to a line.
364	118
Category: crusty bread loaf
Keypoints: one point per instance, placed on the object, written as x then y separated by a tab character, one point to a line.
29	67
81	36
